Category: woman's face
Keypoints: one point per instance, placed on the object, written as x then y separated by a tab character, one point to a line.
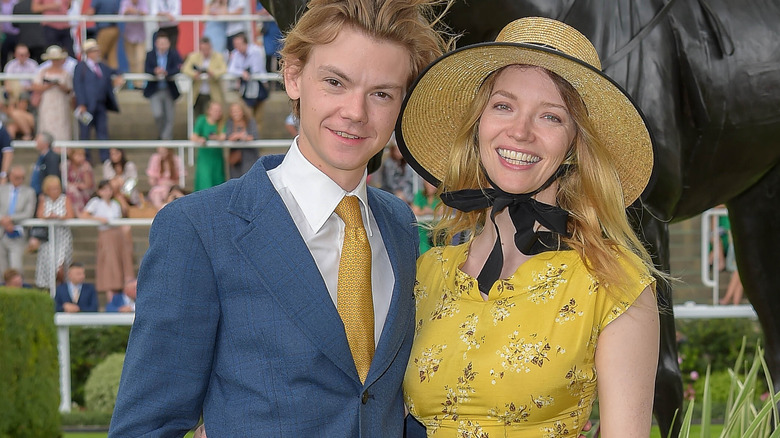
78	157
524	131
236	112
115	155
163	152
52	190
215	111
105	192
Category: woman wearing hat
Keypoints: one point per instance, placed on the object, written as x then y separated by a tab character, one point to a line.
54	84
536	154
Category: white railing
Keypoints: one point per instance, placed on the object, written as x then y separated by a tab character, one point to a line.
63	321
709	235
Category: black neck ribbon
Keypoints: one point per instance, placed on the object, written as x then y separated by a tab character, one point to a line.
525	212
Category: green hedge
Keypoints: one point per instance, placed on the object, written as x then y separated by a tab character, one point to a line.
88	347
103	384
29	372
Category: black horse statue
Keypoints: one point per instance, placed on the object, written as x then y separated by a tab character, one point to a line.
706	73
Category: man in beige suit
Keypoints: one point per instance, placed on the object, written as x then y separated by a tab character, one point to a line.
212	64
17	202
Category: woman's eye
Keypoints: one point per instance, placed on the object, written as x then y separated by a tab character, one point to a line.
552	117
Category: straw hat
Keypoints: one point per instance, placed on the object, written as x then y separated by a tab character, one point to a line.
54	52
434	108
89	44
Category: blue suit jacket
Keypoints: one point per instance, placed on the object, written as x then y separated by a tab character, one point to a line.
173	67
89	89
234	320
88	300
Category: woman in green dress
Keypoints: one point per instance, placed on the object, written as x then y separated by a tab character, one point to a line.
210	164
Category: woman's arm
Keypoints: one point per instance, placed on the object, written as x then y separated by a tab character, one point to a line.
68	210
39	211
626	362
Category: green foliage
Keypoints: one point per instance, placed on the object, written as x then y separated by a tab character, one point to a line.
29	372
86	418
88	347
103	384
746	414
714	342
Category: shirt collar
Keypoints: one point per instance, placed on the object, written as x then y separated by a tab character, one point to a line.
299	176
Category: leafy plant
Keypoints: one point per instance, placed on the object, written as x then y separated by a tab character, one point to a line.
103	384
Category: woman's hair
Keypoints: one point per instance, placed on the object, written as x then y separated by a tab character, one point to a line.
244	110
589	190
101	184
50	181
74	151
414	24
119	166
169	162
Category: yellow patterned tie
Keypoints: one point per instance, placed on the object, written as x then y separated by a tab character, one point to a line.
354	299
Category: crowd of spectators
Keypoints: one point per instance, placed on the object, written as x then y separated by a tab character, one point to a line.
59	87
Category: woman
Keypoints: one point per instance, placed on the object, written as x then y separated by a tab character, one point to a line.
53	204
545	155
210	164
114	260
81	179
119	171
164	170
240	127
54	85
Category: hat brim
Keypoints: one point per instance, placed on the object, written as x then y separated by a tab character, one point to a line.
437	103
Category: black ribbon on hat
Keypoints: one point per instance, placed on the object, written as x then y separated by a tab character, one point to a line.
525	212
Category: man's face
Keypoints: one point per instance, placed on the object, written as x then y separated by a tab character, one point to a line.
16	177
205	49
22	54
76	275
350	93
40	143
162	44
94	55
240	45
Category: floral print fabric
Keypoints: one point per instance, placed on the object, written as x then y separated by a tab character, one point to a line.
522	363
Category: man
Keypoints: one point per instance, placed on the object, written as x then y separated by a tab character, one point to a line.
238	315
30	33
48	162
17	203
13	278
107	31
56	33
164	63
93	85
212	64
74	295
21	64
247	60
171	11
124	302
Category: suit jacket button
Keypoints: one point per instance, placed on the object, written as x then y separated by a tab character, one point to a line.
364	398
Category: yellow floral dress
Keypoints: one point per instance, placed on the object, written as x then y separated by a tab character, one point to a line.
518	365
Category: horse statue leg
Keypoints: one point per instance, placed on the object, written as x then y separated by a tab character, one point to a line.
755	226
667	405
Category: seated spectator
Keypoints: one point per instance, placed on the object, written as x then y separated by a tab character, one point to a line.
53	204
54	84
81	179
175	193
19	121
124	302
396	174
240	127
17	203
164	170
114	246
123	176
74	295
21	64
210	164
13	278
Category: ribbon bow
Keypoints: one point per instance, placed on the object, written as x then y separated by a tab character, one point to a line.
524	211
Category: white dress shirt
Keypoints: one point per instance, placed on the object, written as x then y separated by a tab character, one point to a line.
311	198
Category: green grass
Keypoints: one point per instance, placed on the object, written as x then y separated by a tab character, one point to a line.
99	435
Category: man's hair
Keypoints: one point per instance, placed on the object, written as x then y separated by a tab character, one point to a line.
9	274
205	40
76	265
47	137
241	36
414	24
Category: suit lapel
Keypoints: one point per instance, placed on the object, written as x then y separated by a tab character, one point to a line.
397	324
283	265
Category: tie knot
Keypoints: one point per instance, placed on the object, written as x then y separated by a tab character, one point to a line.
349	211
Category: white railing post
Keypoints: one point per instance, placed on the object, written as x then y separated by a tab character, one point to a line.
63	348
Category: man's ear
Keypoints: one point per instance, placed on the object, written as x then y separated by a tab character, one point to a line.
291	75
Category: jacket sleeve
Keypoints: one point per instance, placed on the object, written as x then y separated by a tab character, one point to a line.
91	302
171	347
